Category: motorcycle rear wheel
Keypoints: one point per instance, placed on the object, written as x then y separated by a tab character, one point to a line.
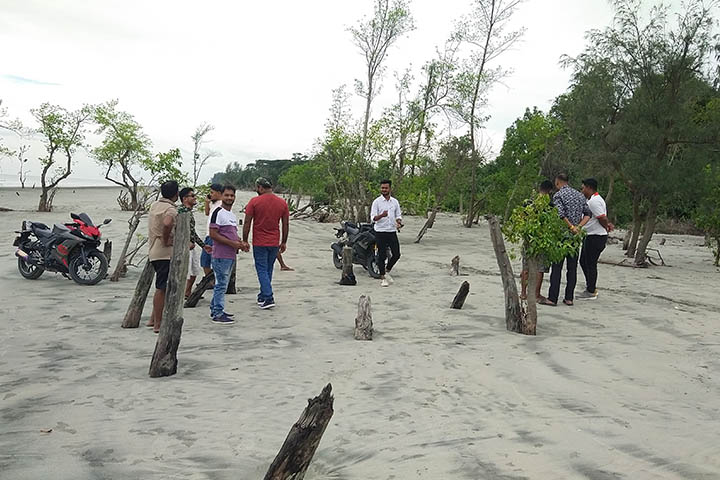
337	260
28	270
90	273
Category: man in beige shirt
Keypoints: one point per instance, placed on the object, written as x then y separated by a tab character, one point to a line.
161	223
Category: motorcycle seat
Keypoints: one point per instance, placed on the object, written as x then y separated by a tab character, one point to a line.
352	230
59	228
40	230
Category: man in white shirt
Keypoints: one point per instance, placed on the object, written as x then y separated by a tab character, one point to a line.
597	229
385	214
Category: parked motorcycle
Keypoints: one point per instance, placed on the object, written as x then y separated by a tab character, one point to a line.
361	238
70	249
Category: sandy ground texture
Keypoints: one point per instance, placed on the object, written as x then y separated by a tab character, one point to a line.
624	387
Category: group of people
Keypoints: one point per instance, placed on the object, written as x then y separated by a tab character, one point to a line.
217	252
583	209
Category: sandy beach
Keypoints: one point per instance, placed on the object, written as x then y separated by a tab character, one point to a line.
624	387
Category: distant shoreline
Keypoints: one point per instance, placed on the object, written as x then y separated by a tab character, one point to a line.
39	189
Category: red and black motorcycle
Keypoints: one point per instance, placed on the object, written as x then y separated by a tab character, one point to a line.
70	249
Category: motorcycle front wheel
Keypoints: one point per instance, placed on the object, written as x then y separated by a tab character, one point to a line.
337	260
371	265
28	270
90	272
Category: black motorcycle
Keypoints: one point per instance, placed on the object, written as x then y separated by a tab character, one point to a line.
361	238
70	249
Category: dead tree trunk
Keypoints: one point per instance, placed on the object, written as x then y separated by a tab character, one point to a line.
363	321
231	290
455	268
637	226
132	228
513	313
297	452
164	360
135	309
201	287
626	240
428	224
107	250
348	277
530	326
649	229
459	299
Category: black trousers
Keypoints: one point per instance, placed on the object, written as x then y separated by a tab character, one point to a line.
385	240
593	245
556	276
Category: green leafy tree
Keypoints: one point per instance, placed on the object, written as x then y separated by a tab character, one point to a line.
708	212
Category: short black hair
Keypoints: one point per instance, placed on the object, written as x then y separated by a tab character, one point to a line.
591	182
263	182
184	192
169	189
383	182
546	186
563	177
227	186
217	187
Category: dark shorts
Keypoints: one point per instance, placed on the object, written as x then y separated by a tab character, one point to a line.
206	258
162	269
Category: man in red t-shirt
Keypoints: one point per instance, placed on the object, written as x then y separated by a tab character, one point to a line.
264	213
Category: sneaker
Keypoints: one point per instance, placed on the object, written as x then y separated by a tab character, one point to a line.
585	295
268	304
223	319
228	314
389	279
384	283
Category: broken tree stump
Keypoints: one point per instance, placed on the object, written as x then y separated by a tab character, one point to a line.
200	288
348	277
137	304
455	266
296	453
363	321
459	299
514	320
164	360
107	250
231	290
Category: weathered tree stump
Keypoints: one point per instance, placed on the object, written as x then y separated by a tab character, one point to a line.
626	239
107	250
459	299
428	224
514	320
135	309
530	324
363	321
231	290
301	443
455	266
200	288
348	277
164	360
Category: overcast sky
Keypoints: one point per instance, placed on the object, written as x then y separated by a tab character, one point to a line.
261	72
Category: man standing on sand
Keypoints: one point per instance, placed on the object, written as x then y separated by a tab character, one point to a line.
597	229
385	214
264	213
545	188
188	201
161	223
226	243
572	208
212	202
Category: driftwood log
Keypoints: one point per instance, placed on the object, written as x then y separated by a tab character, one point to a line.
363	321
459	299
514	318
231	290
455	266
296	453
348	277
137	304
200	288
164	360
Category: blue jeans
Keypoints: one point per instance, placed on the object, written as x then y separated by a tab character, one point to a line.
264	261
206	258
222	268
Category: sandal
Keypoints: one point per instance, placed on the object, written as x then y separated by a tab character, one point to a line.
545	301
569	303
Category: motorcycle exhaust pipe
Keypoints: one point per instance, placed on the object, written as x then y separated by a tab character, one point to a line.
21	254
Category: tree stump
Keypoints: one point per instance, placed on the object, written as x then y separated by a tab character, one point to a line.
363	321
137	304
428	224
530	324
348	277
107	250
626	239
201	287
455	268
513	313
296	453
459	299
231	290
164	360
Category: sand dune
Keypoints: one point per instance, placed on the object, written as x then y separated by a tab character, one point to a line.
622	387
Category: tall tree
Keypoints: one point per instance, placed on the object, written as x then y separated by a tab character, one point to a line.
62	132
374	36
484	32
200	158
10	125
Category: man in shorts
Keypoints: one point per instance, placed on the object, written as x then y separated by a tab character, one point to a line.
545	188
212	202
188	201
161	223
